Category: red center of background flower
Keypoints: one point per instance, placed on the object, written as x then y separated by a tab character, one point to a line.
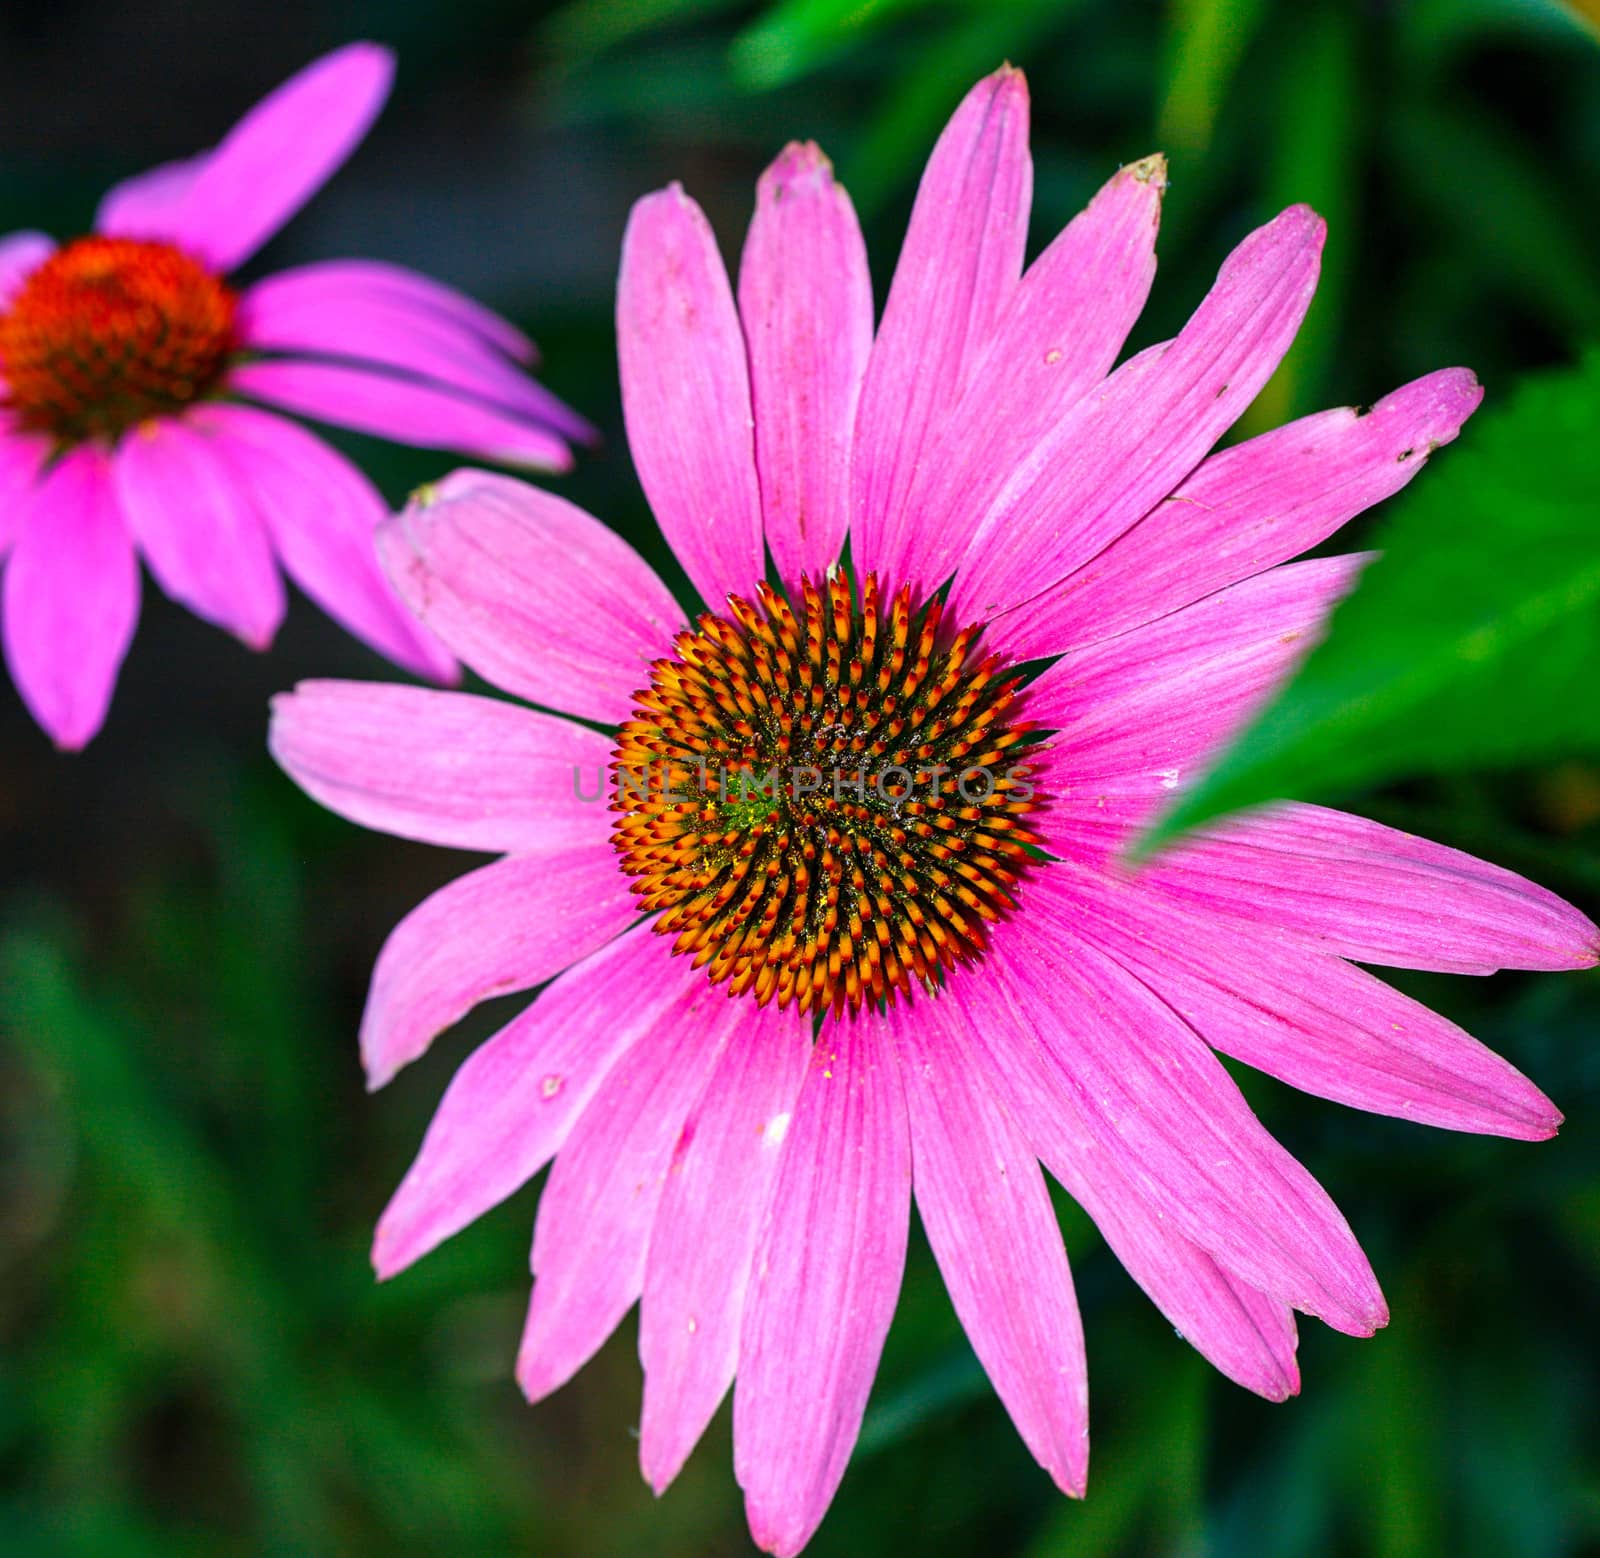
829	803
110	331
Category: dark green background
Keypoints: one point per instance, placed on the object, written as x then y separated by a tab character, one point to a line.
193	1356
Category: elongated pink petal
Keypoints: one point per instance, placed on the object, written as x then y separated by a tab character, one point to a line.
505	927
510	1106
366	280
444	767
1255	505
1344	885
957	271
1158	1101
21	253
321	515
1140	715
198	528
1249	1336
1080	489
994	1233
595	1216
826	1276
278	156
407	410
534	594
1054	342
144	206
22	457
704	1235
71	597
805	298
302	312
686	395
1311	1020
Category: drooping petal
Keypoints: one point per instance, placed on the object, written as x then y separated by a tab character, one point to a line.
1157	1101
502	928
957	271
143	206
595	1217
686	395
321	516
1117	453
826	1276
534	594
1255	505
332	280
1344	885
1139	715
304	312
71	597
704	1236
22	458
805	299
277	157
21	253
429	416
1311	1020
198	528
1249	1336
444	767
994	1234
510	1106
1054	342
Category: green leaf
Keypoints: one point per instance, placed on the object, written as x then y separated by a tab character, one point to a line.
1473	641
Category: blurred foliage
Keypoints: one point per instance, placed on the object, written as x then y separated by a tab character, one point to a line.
1472	641
193	1355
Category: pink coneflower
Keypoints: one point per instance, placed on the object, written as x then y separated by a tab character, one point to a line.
126	366
914	964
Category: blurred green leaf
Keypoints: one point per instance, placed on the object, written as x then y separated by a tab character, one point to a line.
1206	40
1471	643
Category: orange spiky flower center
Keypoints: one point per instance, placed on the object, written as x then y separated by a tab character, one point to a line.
108	332
826	800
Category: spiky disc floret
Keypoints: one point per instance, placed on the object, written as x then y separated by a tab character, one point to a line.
109	332
825	802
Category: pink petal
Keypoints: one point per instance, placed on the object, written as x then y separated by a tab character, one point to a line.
704	1236
1253	506
596	1213
304	311
805	297
20	254
408	411
510	1106
22	457
71	597
278	156
1080	489
826	1276
534	594
1311	1020
1158	1102
686	395
144	206
321	515
1344	885
444	767
197	525
994	1233
1140	715
1244	1333
505	927
1055	341
370	279
958	268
